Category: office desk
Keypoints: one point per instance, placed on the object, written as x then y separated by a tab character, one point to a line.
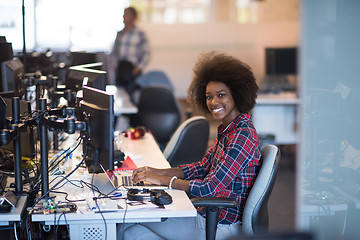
15	215
85	224
123	104
276	114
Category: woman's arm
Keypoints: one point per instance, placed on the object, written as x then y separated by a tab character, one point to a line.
161	177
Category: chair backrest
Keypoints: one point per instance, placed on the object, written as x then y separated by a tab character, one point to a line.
256	217
148	79
189	143
159	112
154	78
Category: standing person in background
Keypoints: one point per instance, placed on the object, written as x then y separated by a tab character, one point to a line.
131	51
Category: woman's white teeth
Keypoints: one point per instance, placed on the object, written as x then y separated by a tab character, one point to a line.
217	110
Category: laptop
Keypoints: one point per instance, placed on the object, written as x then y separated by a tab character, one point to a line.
107	183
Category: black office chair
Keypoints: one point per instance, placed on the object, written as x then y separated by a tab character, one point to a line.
189	143
148	79
159	112
255	217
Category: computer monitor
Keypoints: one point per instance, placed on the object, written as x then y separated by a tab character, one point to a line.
281	61
12	76
2	113
79	77
97	107
27	137
6	53
79	58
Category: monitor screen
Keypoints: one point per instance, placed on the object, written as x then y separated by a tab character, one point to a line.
281	61
79	58
2	113
6	53
97	108
79	77
12	76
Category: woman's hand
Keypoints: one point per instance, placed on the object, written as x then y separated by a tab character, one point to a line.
148	174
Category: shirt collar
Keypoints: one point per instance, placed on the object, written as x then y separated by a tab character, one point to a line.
234	123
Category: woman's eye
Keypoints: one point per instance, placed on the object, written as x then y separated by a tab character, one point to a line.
208	97
221	95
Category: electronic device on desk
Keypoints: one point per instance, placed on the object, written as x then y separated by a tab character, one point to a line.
6	53
49	205
135	133
27	137
79	76
97	107
8	201
82	58
12	76
280	69
83	75
2	113
156	196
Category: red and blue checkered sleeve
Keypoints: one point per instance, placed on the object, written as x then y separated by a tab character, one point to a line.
231	172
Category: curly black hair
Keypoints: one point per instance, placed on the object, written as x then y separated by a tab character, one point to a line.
235	74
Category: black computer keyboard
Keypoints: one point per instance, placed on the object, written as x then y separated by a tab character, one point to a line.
127	182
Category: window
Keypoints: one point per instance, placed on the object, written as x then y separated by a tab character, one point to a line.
173	11
63	25
11	23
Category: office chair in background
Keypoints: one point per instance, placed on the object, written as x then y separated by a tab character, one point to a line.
255	218
148	79
159	112
154	78
189	143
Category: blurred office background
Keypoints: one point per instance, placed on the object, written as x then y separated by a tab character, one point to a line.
315	124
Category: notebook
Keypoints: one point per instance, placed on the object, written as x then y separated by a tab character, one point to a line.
127	165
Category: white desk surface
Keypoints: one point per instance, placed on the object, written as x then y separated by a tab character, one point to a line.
15	214
281	98
123	104
145	152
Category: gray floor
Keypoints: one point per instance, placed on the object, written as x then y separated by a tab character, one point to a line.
282	199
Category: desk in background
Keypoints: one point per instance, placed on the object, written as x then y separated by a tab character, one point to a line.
276	114
84	224
123	105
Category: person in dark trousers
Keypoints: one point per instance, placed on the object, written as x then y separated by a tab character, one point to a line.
131	51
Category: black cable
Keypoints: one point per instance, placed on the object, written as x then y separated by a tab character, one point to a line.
123	224
58	223
68	181
67	154
72	171
102	215
78	144
58	156
55	226
92	183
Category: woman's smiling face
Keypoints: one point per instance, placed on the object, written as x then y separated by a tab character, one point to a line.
220	102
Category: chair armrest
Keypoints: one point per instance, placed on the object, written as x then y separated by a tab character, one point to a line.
214	202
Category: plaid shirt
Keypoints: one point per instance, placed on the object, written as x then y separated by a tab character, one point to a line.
229	167
132	46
